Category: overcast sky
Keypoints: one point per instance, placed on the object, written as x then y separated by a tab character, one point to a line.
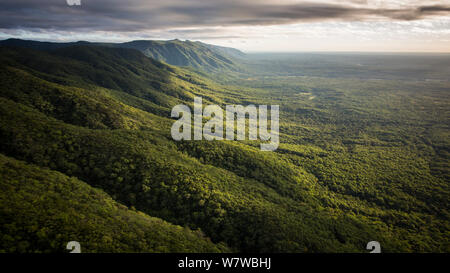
249	25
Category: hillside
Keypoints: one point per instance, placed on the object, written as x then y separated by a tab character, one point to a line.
41	210
344	174
175	52
194	54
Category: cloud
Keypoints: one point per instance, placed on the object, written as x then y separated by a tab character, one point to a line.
139	15
434	9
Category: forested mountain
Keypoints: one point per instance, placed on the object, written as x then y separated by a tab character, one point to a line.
187	53
85	134
181	53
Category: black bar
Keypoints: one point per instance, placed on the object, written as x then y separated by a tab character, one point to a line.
171	262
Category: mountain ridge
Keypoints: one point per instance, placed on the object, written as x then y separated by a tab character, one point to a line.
198	55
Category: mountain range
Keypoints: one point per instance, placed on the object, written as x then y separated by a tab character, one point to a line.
175	52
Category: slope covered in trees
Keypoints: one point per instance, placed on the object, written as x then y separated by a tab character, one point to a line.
42	210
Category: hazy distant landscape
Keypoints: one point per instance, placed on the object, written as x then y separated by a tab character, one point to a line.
386	66
87	153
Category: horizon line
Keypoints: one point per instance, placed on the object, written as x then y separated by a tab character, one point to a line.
244	51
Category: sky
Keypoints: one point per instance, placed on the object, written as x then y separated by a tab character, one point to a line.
249	25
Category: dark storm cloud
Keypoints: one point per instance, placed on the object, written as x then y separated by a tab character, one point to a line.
135	15
434	9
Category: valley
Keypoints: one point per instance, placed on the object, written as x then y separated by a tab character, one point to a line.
87	153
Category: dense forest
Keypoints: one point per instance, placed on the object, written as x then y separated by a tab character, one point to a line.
87	155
